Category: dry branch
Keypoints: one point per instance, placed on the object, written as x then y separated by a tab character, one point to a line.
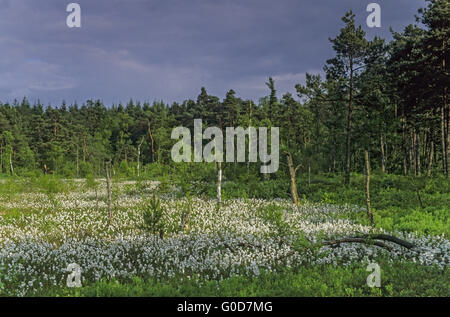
393	239
357	240
371	239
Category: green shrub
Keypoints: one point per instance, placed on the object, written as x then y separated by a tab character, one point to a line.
153	213
85	169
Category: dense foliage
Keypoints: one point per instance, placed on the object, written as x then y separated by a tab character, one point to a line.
388	98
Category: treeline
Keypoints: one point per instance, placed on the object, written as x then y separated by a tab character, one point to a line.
387	98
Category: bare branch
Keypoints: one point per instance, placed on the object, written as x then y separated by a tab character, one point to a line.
393	239
357	240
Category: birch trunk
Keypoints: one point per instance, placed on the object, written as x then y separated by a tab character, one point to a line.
10	163
139	156
369	211
108	188
219	184
150	135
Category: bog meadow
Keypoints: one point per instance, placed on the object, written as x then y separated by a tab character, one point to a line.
92	202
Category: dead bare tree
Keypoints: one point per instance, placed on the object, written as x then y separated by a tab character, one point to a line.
150	135
139	156
309	173
292	174
78	165
430	159
1	157
185	216
404	150
10	163
383	154
108	188
219	184
369	211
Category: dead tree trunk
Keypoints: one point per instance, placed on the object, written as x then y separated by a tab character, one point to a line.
150	135
383	155
108	188
430	159
447	138
405	166
292	174
445	117
78	166
219	184
443	141
372	239
412	152
417	154
139	156
309	173
10	163
249	125
369	211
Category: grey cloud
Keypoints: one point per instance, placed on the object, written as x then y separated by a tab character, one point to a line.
168	49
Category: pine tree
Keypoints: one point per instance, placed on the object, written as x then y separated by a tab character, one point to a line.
436	17
350	47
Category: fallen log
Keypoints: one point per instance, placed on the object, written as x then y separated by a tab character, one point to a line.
357	240
369	239
393	239
372	239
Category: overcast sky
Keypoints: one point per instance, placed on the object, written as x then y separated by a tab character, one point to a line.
167	49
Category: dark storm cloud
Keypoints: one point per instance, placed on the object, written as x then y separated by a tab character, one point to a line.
168	49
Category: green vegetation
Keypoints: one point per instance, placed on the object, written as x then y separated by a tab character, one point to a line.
394	198
161	231
180	225
400	279
152	214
